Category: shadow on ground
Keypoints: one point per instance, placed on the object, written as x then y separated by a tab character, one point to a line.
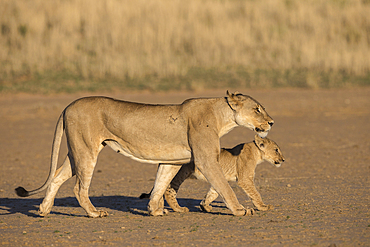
134	205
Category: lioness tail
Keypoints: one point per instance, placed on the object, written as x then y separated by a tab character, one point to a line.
22	192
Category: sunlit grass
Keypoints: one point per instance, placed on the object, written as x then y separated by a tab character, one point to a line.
79	45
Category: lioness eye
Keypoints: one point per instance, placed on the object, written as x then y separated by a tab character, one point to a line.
258	109
276	150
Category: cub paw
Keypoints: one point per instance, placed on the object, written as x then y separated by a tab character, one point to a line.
249	211
103	214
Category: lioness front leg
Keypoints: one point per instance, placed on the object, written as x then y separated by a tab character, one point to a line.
250	189
209	198
206	152
165	174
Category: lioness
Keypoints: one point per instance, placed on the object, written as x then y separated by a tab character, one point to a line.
166	134
237	164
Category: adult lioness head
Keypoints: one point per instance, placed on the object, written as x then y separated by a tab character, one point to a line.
250	113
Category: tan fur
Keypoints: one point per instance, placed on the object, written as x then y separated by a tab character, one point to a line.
166	134
237	164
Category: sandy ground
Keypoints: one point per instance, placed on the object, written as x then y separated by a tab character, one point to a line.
320	194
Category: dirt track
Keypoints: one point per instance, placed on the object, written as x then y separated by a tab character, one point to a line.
320	194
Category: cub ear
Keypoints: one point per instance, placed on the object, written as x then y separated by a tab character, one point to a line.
234	100
259	141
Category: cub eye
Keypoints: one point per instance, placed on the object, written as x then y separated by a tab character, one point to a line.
277	150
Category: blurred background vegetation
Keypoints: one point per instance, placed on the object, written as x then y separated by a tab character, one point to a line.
83	45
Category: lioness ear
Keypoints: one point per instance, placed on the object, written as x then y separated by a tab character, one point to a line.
234	100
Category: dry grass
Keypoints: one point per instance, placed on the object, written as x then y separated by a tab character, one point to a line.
181	44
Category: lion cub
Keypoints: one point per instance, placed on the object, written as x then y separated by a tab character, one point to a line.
238	164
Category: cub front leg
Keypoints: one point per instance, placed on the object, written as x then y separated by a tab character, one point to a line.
249	188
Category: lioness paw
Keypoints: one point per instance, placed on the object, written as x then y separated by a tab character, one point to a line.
158	212
98	214
265	207
205	207
42	214
44	210
181	210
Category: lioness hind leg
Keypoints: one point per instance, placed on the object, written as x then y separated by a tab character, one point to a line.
165	174
171	192
84	172
63	174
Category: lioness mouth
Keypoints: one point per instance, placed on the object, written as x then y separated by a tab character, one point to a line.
259	129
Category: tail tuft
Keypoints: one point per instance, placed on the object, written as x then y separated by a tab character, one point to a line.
22	192
142	196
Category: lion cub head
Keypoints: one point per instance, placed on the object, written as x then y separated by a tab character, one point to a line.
250	113
270	151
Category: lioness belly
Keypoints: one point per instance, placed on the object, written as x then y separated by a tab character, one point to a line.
174	155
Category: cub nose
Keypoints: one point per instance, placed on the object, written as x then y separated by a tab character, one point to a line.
271	123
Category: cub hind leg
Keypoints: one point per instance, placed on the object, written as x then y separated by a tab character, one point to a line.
170	196
171	193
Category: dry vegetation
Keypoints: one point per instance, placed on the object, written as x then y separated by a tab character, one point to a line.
67	45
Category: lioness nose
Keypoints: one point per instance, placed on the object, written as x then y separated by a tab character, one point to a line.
271	123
